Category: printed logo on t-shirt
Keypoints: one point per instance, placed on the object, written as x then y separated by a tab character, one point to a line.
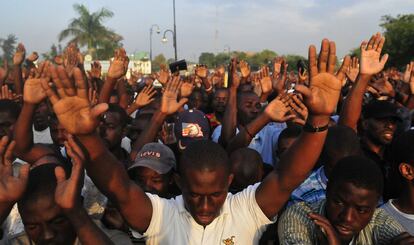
229	241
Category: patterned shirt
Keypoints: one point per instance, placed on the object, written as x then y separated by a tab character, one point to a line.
312	190
295	227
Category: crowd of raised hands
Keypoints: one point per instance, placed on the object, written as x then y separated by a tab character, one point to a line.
77	99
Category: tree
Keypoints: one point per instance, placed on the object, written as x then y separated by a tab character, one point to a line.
51	54
399	35
88	30
356	52
158	61
293	60
207	59
222	59
8	46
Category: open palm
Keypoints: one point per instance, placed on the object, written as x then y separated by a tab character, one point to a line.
371	62
33	91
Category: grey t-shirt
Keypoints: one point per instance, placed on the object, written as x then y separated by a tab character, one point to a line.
406	220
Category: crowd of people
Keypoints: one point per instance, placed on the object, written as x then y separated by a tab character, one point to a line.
320	153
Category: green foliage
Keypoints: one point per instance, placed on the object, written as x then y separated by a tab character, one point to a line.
51	54
356	52
8	45
88	31
293	60
399	39
207	59
158	61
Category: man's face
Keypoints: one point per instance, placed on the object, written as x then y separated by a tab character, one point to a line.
6	124
137	126
196	101
45	222
220	101
151	181
41	117
204	193
111	130
248	108
381	130
349	209
58	133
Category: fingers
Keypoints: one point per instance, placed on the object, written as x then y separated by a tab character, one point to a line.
67	84
332	58
24	173
323	55
305	91
363	46
60	174
78	158
313	69
3	146
56	80
49	92
99	109
344	67
384	59
371	42
81	85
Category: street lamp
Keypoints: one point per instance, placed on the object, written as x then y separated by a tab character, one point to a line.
164	40
158	32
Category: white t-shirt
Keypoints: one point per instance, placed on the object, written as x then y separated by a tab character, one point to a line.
406	220
42	137
240	220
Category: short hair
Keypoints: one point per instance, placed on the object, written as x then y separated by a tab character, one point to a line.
42	182
403	148
123	116
358	170
204	155
221	90
341	141
247	167
10	107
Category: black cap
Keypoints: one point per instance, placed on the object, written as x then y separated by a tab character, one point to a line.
381	109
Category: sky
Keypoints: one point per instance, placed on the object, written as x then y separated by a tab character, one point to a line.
285	26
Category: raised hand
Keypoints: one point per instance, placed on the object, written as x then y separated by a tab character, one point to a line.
411	80
33	57
72	106
265	80
370	62
278	110
353	70
67	193
169	104
70	58
96	69
145	97
33	91
11	187
201	71
186	89
6	93
244	69
322	96
325	225
279	77
4	71
299	108
119	66
18	57
408	70
163	75
403	239
234	78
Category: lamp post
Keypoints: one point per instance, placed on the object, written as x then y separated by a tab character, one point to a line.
158	32
164	40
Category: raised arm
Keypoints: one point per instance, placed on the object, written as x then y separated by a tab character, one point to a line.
75	113
229	124
68	197
33	95
117	69
370	64
18	59
320	99
169	106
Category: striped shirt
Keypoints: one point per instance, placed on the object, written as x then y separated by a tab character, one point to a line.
312	190
295	227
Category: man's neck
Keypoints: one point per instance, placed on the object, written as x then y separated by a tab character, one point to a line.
374	147
405	202
118	152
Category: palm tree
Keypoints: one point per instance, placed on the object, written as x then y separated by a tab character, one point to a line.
88	30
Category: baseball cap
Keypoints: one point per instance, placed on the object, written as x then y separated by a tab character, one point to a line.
155	156
381	109
191	125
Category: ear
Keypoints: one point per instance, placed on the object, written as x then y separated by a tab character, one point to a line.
230	179
407	171
177	179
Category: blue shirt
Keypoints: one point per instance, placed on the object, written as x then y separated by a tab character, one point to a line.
312	190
